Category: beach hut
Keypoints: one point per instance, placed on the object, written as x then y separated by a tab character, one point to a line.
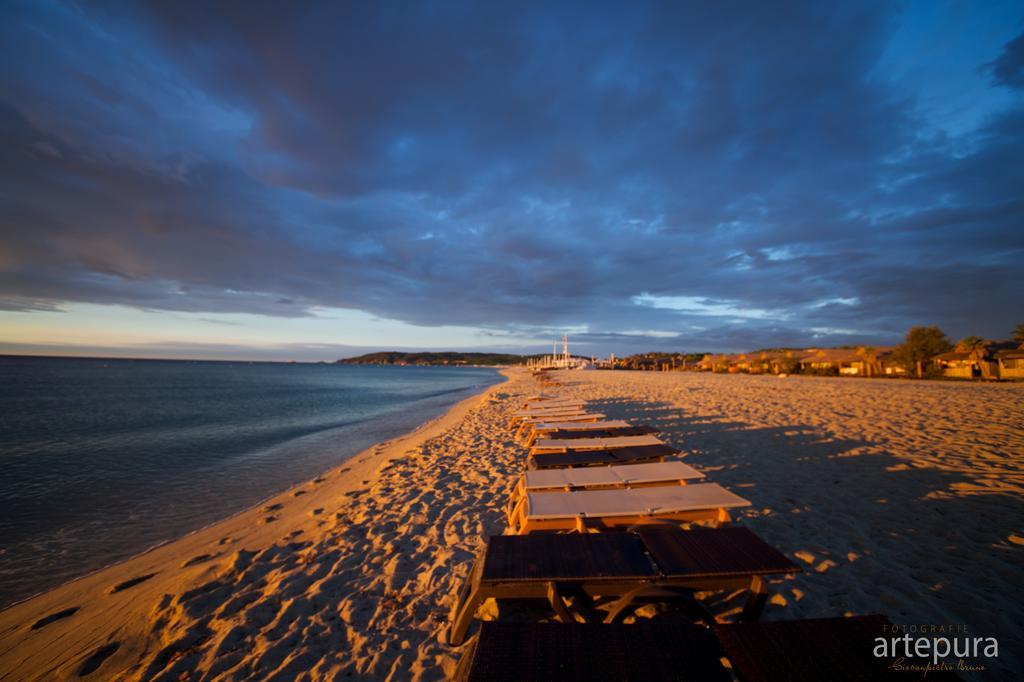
1010	362
843	361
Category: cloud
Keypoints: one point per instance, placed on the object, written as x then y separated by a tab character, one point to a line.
1008	68
543	168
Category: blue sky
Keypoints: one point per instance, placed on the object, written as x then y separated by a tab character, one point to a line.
307	181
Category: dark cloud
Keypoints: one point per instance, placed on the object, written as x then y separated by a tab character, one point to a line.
1008	69
525	169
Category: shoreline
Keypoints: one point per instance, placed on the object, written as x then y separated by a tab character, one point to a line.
322	441
280	512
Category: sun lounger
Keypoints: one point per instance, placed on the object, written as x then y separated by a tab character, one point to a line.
540	397
599	458
527	423
610	432
512	652
545	428
542	410
840	649
575	417
551	402
650	563
553	414
598	478
555	445
586	510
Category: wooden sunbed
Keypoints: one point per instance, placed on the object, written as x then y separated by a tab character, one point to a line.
577	652
586	510
545	428
562	445
601	457
551	402
600	478
574	418
839	649
544	411
574	433
527	423
551	416
651	562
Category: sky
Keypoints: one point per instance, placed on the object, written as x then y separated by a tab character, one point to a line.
307	181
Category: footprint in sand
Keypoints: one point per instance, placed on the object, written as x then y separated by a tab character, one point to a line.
299	493
317	511
224	541
273	507
121	587
46	620
95	660
197	560
268	519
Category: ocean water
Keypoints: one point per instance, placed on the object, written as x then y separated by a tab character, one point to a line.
101	459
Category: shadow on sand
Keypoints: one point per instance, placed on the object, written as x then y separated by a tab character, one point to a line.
874	532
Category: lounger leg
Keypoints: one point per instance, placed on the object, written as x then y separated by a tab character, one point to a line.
584	525
619	606
515	513
583	605
625	604
558	604
755	602
466	605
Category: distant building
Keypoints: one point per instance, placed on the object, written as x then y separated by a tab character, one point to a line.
1010	362
991	360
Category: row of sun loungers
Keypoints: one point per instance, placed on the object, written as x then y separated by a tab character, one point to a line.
602	523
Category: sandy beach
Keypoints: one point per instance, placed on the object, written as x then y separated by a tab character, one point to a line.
897	497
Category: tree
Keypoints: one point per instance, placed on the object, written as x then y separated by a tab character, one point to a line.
1018	333
978	348
969	343
787	365
921	345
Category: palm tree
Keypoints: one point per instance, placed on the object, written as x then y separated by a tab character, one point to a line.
1018	333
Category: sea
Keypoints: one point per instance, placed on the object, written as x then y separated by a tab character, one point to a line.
101	459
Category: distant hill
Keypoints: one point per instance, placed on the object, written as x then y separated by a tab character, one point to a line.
397	358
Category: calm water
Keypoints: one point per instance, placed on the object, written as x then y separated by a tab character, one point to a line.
101	459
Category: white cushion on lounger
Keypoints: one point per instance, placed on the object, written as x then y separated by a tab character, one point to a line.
631	502
596	443
592	426
622	474
541	412
574	417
